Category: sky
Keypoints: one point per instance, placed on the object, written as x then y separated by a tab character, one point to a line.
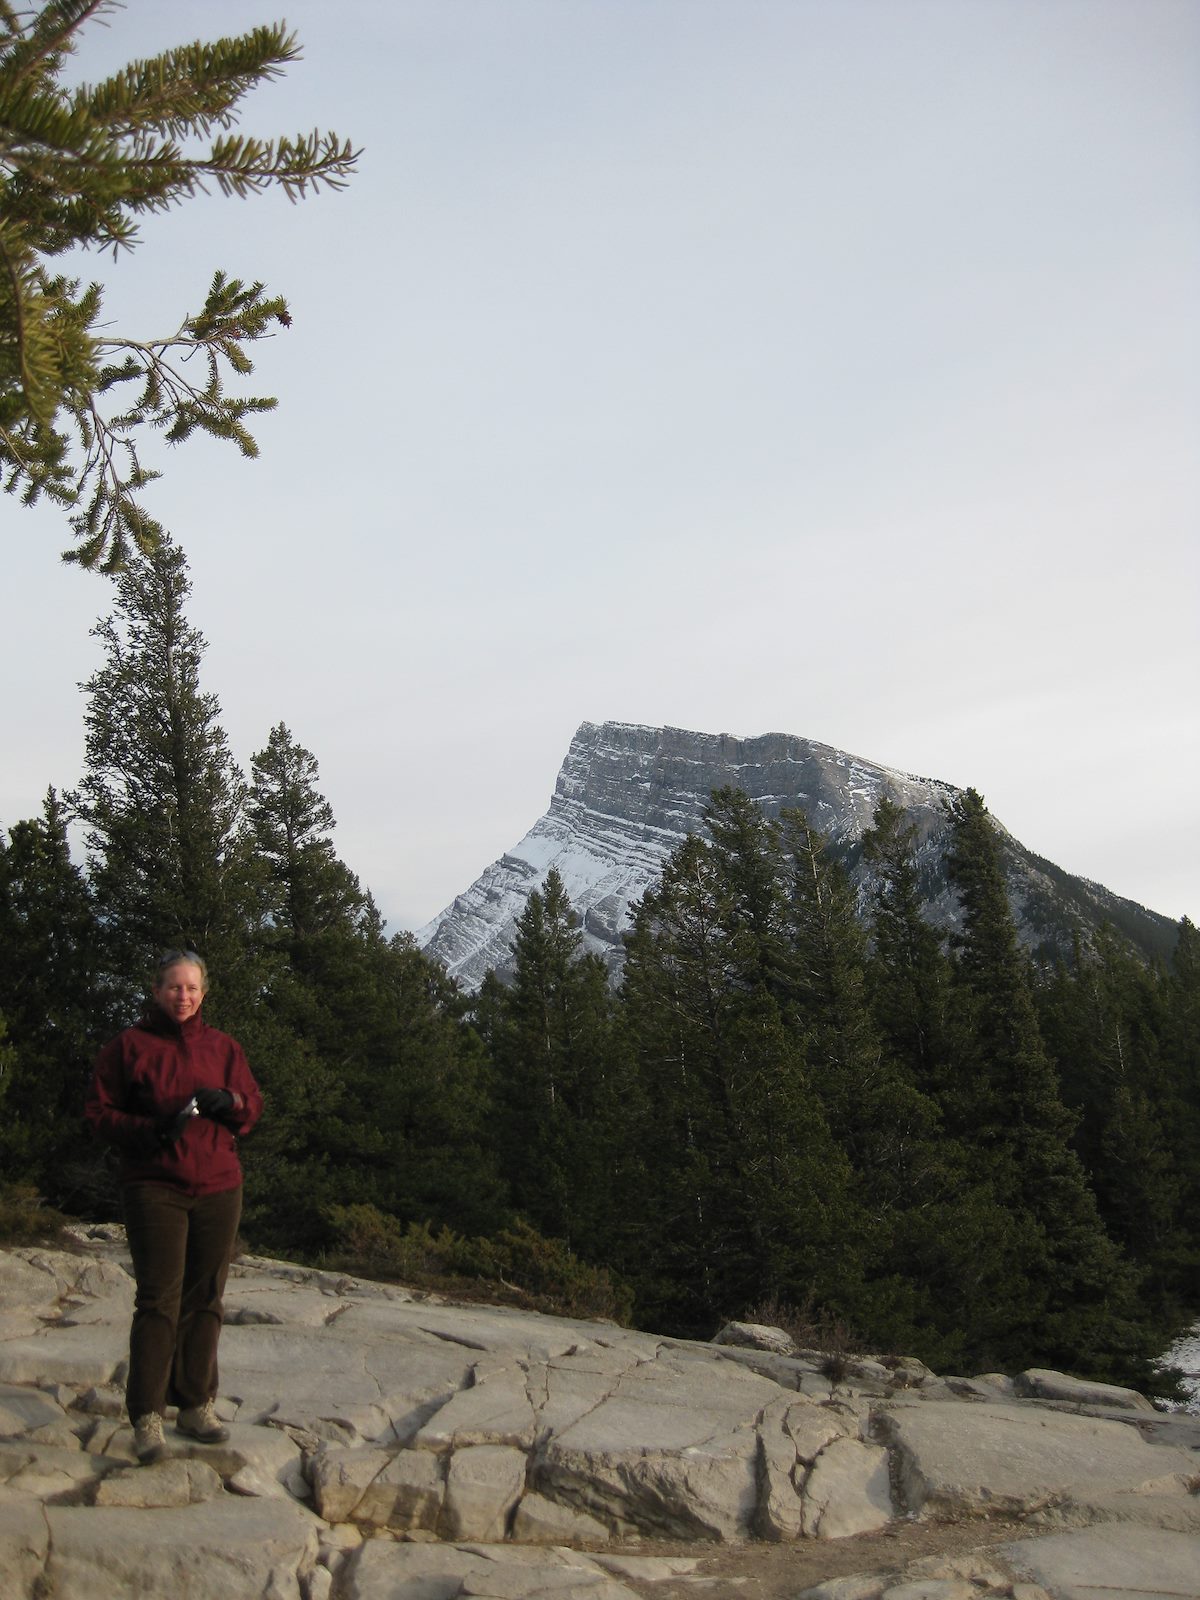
826	367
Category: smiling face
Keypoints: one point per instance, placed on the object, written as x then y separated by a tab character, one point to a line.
180	990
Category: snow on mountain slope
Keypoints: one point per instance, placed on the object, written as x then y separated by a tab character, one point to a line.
625	797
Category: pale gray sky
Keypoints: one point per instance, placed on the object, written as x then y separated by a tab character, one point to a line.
820	366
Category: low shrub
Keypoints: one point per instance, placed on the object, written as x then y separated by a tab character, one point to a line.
25	1218
812	1328
515	1266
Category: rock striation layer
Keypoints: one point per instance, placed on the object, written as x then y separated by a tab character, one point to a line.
626	795
389	1446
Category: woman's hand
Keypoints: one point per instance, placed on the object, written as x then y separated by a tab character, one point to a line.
214	1102
168	1129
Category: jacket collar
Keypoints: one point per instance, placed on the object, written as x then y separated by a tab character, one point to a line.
156	1020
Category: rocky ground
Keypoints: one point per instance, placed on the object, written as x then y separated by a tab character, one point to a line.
392	1446
760	1571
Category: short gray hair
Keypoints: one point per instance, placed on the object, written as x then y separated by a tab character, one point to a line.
172	958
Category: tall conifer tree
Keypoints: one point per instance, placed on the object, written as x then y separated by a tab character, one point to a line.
1103	1021
907	973
1070	1297
291	821
562	1082
1180	1058
53	998
161	795
749	1195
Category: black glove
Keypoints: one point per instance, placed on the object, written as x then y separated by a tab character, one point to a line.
168	1129
214	1102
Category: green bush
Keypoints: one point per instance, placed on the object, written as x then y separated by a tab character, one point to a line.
516	1266
26	1219
810	1328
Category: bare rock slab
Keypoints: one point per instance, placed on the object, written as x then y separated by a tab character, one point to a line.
542	1521
1061	1386
78	1356
483	1486
673	1450
982	1459
847	1491
407	1494
24	1545
230	1549
496	1409
385	1571
166	1483
340	1478
1111	1563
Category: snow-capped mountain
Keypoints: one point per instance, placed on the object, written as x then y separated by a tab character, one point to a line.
626	795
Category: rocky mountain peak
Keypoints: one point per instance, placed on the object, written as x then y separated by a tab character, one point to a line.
626	795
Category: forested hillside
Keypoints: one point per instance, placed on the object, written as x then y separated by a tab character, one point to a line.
944	1149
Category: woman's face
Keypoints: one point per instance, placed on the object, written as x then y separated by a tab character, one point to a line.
179	991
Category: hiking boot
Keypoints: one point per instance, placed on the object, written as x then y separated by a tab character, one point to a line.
202	1423
148	1442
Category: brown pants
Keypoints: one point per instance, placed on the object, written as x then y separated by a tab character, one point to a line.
181	1246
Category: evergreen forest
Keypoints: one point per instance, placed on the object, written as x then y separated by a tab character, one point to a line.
787	1108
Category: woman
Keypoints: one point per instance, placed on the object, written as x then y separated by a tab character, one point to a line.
171	1094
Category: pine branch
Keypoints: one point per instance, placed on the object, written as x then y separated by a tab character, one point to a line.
191	89
47	347
77	168
43	45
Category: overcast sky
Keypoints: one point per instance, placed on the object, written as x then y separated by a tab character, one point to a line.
829	367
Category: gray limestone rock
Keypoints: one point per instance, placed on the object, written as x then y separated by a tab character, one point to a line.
780	1506
403	1419
227	1549
78	1356
756	1336
988	1459
1043	1385
24	1410
385	1571
408	1493
48	1472
932	1589
812	1426
340	1478
673	1450
542	1521
166	1483
483	1485
1107	1563
496	1409
24	1544
847	1491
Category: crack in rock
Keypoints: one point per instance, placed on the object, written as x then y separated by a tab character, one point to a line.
456	1338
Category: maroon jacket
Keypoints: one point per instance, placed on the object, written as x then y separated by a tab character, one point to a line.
154	1068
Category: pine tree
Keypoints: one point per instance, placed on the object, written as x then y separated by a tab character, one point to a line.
1180	1058
161	796
744	850
410	1129
562	1081
53	998
907	973
879	1116
829	947
1063	1293
1103	1022
748	1195
311	891
79	168
914	1203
